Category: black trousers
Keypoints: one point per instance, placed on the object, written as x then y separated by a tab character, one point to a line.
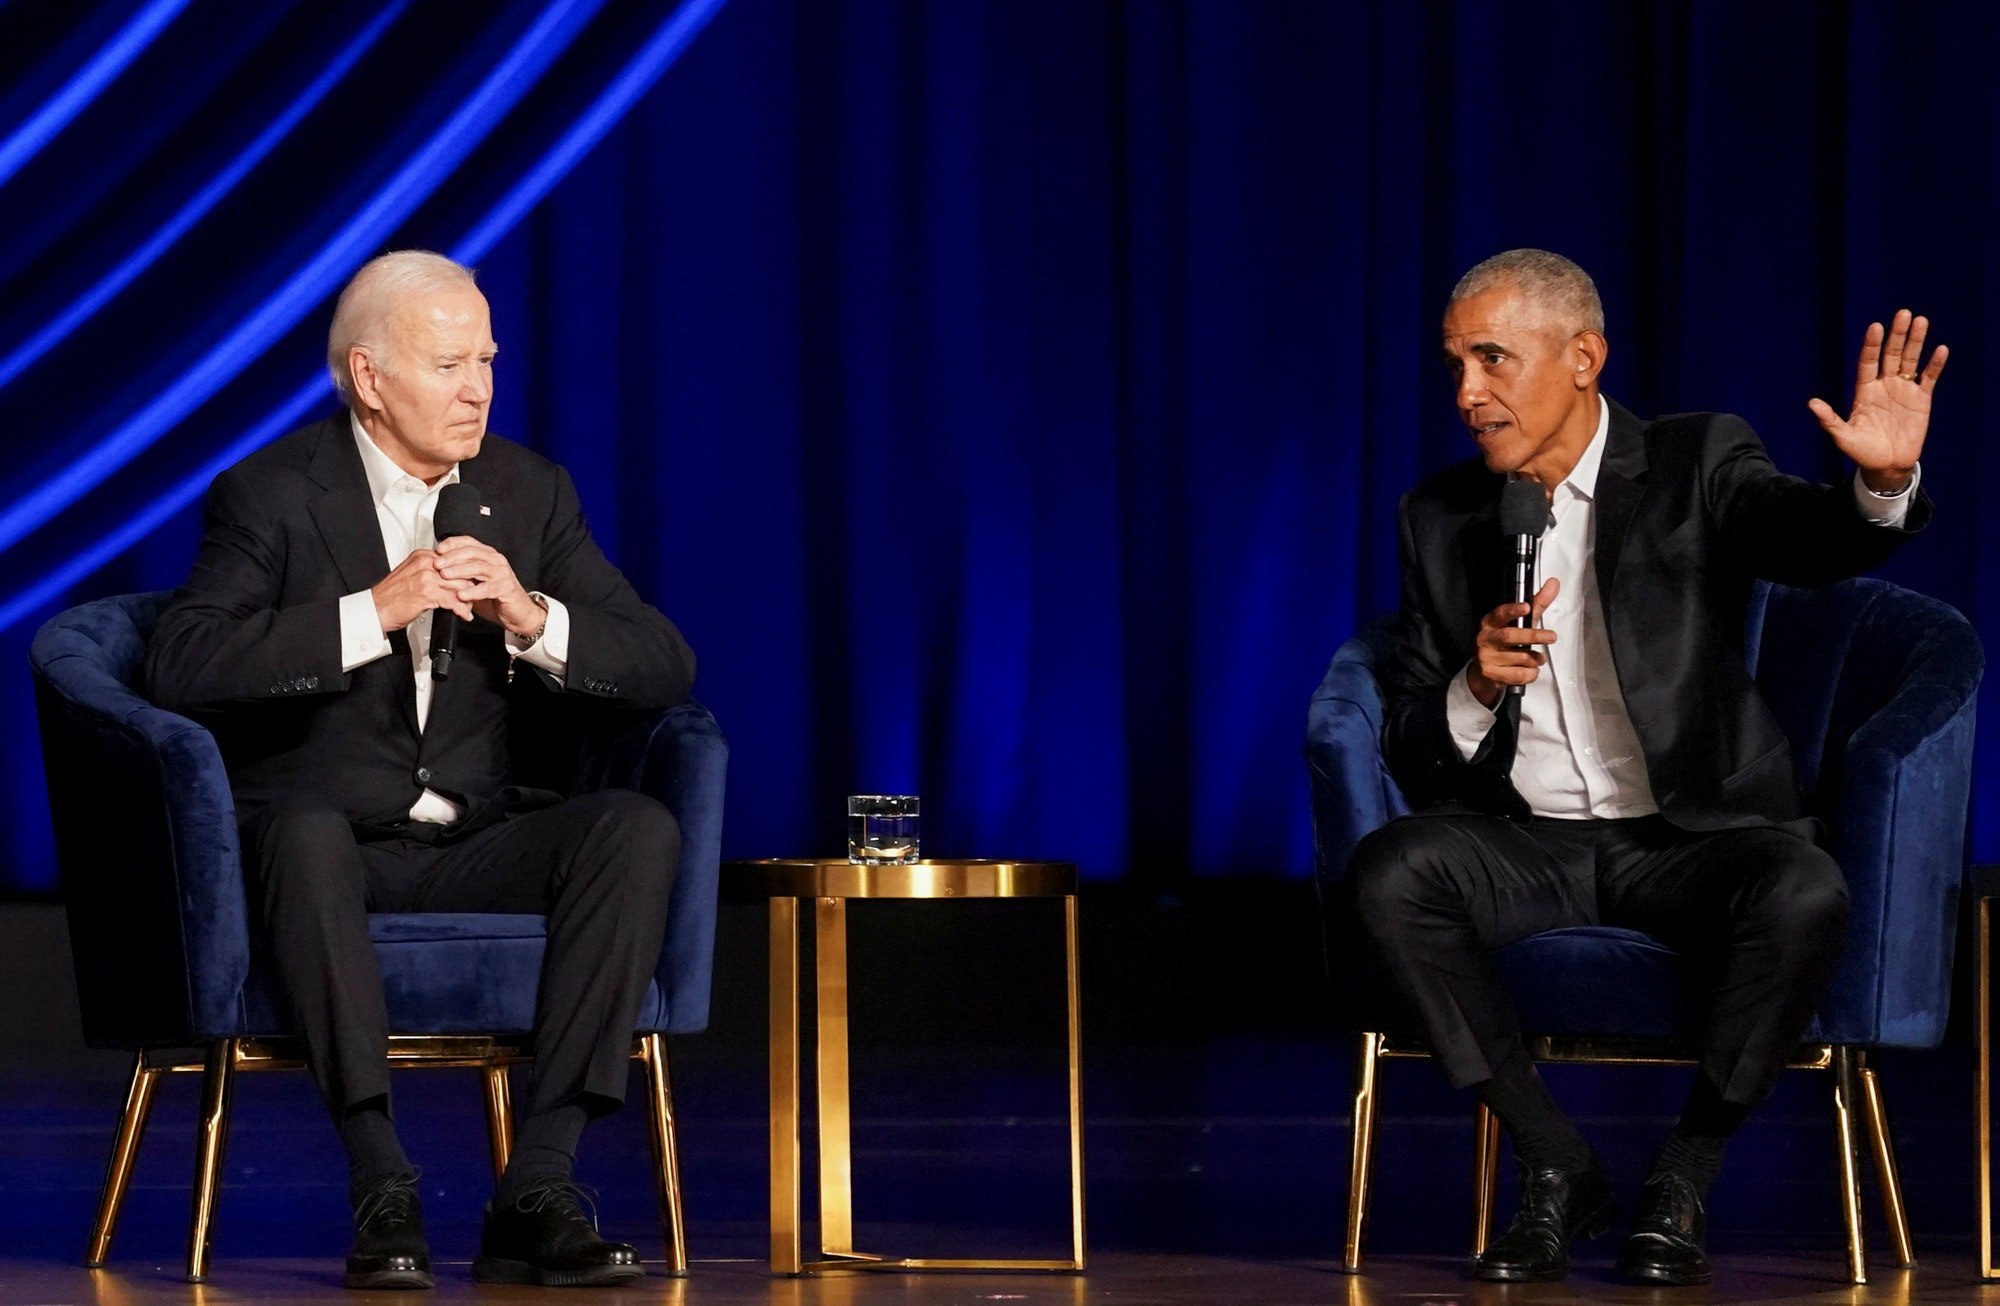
600	866
1760	913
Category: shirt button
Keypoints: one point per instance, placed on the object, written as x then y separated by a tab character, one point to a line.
423	775
1589	752
1572	682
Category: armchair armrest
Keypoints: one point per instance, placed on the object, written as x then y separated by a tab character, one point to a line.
145	833
1903	782
1352	792
680	757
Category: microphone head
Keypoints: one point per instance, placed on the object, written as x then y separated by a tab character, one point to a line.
457	512
1524	509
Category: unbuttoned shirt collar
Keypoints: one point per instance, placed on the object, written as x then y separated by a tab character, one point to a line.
1582	478
384	476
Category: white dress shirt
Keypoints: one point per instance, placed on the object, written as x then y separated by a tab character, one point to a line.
1578	755
404	507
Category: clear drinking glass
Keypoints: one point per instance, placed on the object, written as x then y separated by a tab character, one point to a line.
882	828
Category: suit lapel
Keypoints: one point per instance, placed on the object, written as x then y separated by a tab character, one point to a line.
1621	481
1484	558
344	512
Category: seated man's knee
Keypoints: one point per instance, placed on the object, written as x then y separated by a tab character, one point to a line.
1803	888
642	835
298	837
1394	873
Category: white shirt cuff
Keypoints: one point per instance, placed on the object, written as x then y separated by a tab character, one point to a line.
361	637
551	651
1887	509
1468	718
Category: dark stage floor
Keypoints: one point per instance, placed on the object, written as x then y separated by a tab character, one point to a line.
1216	1132
1119	1279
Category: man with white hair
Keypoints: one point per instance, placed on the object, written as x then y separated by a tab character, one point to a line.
1601	755
362	783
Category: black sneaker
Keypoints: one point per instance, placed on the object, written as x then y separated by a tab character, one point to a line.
389	1249
543	1237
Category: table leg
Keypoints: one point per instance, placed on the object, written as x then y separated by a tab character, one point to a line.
785	1248
1075	1080
1983	1084
836	1158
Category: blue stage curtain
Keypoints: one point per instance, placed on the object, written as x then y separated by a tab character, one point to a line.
1010	398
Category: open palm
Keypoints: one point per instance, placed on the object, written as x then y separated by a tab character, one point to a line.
1884	435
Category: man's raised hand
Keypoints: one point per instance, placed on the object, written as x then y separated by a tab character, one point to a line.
1892	403
1505	654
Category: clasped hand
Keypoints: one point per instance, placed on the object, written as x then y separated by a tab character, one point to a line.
462	576
1505	654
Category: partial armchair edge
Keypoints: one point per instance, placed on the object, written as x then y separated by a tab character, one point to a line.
146	837
680	757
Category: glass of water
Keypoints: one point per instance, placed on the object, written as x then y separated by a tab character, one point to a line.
882	828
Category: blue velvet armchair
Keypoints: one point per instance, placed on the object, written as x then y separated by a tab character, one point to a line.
1875	687
167	959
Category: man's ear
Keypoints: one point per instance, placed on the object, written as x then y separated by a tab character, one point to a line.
366	381
1587	350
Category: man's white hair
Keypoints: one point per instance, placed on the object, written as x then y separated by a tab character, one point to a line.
370	300
1555	284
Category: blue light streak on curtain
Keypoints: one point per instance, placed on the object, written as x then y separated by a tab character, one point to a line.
66	321
1011	400
322	273
646	67
125	45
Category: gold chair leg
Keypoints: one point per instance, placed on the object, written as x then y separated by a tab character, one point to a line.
1847	1111
786	1248
1886	1173
1361	1155
1982	1115
1485	1175
216	1081
666	1152
499	1118
124	1152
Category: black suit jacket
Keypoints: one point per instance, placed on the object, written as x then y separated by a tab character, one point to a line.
1689	513
250	644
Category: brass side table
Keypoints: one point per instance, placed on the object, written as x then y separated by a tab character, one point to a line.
1984	882
827	884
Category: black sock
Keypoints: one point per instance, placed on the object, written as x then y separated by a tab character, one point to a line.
373	1150
1542	1135
544	1149
1694	1149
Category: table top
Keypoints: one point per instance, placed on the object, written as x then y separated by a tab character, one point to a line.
952	877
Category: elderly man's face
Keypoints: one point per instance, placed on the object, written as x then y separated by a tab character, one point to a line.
435	385
1518	378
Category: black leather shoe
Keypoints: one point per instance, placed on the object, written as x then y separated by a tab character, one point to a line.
389	1249
1557	1208
543	1237
1667	1233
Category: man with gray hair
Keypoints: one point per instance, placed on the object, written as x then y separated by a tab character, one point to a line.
1608	761
366	783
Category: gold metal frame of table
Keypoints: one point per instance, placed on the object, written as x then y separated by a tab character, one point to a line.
829	883
1983	1076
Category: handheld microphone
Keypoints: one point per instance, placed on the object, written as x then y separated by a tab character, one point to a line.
457	514
1524	515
